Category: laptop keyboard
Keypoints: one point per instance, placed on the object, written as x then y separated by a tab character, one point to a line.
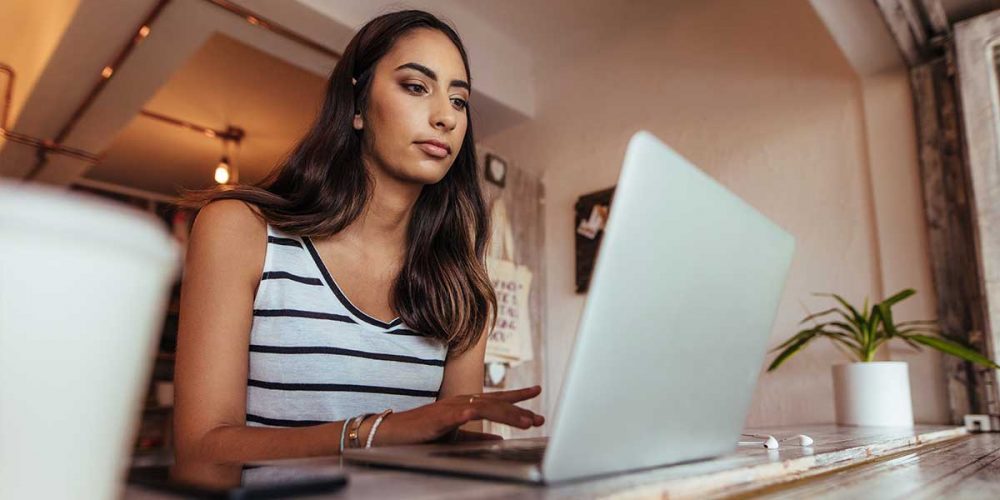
531	454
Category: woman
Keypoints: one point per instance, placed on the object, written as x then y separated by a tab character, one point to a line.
353	277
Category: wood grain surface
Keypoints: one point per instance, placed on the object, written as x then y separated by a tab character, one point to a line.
926	461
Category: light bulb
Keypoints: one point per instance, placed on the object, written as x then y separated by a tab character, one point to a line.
222	173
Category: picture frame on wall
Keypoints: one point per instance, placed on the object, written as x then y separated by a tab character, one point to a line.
495	170
592	211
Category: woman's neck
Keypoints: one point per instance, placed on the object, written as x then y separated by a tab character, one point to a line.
384	222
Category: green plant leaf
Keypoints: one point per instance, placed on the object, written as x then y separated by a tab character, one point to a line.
954	348
907	331
795	338
851	325
913	344
917	322
873	333
886	312
817	315
958	340
857	316
848	328
885	309
899	297
847	333
790	350
840	339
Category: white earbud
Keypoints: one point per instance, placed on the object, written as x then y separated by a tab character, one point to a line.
801	440
769	441
773	444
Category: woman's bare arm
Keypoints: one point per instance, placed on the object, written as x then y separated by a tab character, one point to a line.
463	373
223	266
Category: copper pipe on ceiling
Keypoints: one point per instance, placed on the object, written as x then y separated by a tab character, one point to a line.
7	95
43	145
106	75
53	145
256	20
231	133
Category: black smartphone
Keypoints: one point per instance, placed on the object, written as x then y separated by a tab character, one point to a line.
240	481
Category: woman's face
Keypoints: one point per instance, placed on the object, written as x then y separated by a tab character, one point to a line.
419	93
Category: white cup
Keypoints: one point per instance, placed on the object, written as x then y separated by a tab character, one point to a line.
83	291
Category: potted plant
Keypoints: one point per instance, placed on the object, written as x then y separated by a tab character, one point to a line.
868	392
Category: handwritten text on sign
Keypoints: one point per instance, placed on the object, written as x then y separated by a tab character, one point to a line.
507	310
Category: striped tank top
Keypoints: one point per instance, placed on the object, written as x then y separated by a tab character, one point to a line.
316	358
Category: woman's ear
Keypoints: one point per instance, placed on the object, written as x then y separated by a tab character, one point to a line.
358	122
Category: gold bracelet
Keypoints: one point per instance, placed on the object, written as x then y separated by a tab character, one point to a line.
353	434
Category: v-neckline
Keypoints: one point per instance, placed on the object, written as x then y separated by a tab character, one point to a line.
339	293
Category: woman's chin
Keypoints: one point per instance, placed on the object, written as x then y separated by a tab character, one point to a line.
426	173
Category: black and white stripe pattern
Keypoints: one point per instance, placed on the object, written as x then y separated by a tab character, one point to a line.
315	357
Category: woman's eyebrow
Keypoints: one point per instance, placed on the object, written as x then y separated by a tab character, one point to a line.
432	75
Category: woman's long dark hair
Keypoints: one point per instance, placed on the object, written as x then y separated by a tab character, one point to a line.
442	290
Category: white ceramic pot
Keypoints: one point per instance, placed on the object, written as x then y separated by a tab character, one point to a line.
873	394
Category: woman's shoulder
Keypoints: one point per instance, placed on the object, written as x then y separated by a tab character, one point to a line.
230	230
235	217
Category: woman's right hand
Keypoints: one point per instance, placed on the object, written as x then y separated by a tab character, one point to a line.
432	421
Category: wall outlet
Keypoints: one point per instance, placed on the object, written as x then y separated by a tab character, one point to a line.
982	423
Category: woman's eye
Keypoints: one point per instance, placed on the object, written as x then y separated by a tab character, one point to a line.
411	86
417	88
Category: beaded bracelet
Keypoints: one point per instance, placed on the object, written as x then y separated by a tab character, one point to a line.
378	420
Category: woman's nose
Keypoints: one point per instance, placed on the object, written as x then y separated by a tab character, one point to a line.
444	116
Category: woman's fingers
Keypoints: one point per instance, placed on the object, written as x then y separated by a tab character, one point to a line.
504	413
515	395
498	406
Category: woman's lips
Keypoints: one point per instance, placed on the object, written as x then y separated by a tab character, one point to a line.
431	149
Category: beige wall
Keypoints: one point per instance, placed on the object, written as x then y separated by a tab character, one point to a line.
902	229
757	94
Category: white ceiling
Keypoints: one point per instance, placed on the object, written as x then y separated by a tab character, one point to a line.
225	83
558	30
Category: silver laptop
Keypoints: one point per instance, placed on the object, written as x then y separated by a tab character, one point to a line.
672	337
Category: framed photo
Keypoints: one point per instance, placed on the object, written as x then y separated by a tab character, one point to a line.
591	214
496	170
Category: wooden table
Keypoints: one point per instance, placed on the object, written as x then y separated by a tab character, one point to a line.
844	462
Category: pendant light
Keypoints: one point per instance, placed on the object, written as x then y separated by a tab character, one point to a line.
222	171
225	171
